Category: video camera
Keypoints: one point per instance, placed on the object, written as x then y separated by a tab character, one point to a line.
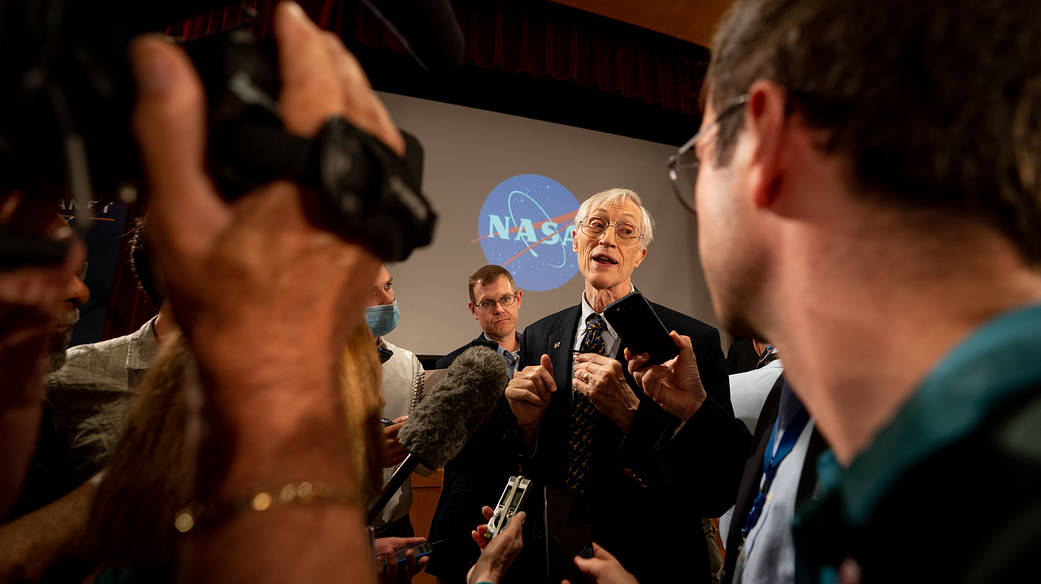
66	96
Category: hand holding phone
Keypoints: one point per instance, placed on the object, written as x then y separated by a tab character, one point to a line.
674	385
400	558
392	452
421	551
639	328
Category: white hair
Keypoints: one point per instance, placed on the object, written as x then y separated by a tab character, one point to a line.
619	195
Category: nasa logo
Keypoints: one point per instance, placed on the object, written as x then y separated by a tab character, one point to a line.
525	226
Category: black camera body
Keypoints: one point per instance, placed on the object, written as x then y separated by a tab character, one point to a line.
369	193
67	96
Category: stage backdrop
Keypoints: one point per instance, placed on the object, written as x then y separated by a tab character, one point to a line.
506	189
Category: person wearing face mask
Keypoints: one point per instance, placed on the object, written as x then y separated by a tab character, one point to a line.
402	388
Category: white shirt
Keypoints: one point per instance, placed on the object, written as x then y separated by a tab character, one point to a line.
748	391
611	340
402	378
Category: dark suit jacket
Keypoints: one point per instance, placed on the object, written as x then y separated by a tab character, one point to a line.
647	488
753	473
475	477
447	360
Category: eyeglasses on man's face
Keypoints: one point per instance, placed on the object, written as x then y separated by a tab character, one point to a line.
624	232
683	165
504	301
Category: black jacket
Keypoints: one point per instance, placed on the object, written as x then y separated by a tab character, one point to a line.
648	488
480	341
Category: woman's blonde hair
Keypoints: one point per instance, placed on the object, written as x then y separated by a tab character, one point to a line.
151	473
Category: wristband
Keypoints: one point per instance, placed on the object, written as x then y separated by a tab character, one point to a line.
194	514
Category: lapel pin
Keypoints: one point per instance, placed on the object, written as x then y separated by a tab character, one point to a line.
556	345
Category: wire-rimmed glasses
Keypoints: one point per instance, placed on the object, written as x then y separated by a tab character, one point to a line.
504	301
625	233
683	165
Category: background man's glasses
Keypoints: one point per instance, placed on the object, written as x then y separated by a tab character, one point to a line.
624	233
489	305
683	165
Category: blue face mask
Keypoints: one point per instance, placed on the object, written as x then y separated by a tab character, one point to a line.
382	319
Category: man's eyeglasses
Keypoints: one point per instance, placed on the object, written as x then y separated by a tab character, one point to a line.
489	305
625	233
683	165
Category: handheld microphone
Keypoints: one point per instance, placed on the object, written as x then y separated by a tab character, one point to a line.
440	425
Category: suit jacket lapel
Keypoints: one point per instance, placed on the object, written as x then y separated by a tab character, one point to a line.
554	426
561	341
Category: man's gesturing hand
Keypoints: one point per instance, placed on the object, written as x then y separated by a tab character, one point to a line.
529	394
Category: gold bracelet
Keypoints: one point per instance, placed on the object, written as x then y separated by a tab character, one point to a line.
303	493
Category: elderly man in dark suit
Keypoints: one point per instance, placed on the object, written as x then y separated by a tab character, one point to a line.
615	464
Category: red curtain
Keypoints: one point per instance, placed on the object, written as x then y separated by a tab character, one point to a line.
539	38
550	40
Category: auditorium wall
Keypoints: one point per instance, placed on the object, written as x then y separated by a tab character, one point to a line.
468	154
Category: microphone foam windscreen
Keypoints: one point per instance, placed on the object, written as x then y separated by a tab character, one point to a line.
464	396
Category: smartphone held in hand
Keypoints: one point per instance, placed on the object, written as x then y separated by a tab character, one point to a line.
639	328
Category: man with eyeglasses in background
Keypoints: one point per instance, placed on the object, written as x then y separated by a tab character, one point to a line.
617	467
469	482
494	303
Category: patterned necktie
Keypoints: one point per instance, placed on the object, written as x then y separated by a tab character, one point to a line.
583	414
511	361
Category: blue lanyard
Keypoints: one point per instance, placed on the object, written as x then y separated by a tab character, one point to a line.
769	354
792	431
